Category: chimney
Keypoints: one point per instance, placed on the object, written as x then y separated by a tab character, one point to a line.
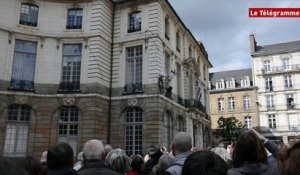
253	44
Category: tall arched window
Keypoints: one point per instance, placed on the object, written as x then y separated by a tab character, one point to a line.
169	128
16	135
68	126
133	122
181	125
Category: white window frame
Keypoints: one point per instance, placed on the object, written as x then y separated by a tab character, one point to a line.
75	18
29	14
246	102
270	102
221	104
134	21
17	131
248	122
288	81
231	103
272	121
133	125
267	66
245	82
269	84
286	64
290	101
67	129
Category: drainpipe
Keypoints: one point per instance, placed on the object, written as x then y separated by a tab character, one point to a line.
111	74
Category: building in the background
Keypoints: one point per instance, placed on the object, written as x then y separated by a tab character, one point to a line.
276	69
232	94
125	72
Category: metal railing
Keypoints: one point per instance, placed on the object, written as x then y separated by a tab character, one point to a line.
281	69
69	86
133	88
192	103
21	85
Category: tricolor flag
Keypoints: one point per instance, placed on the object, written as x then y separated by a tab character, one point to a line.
199	93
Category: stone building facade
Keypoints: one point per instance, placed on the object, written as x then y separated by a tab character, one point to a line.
127	72
232	94
276	69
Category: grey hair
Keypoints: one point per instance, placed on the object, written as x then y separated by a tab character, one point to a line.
117	160
93	149
164	162
182	142
80	156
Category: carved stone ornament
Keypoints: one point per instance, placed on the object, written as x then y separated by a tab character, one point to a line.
22	100
68	101
132	102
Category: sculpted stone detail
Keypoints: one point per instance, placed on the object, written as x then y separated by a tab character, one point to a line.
132	102
22	100
68	101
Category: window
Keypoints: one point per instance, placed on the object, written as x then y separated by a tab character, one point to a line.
178	41
270	102
247	102
133	122
167	28
70	80
29	15
134	69
135	22
293	122
178	77
288	83
17	128
286	64
245	82
231	83
23	65
190	52
290	101
68	126
169	128
269	84
74	18
267	66
181	124
220	84
231	105
167	63
248	122
221	105
272	121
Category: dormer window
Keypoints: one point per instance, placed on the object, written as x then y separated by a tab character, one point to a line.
220	84
245	82
29	15
231	83
135	22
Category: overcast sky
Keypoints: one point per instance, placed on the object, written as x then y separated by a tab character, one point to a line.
224	27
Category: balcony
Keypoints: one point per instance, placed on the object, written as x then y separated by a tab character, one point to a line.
133	88
69	86
192	103
281	69
21	85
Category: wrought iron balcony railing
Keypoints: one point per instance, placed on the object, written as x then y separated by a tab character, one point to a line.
21	85
133	88
281	69
192	103
69	86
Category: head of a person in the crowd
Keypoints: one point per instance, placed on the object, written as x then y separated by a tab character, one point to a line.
289	162
32	165
182	142
117	161
137	163
44	163
204	162
107	148
93	150
60	157
164	162
7	167
248	148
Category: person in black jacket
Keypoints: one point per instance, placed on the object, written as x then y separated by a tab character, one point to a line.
92	159
60	160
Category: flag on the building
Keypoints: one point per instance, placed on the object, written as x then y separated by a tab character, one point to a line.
199	93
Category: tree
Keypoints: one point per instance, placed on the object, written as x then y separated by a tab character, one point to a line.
228	128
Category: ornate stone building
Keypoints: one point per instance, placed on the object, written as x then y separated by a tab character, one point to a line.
232	94
127	72
276	69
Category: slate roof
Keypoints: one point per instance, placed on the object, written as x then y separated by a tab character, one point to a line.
227	75
277	48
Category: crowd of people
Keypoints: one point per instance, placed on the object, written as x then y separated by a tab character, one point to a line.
250	154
